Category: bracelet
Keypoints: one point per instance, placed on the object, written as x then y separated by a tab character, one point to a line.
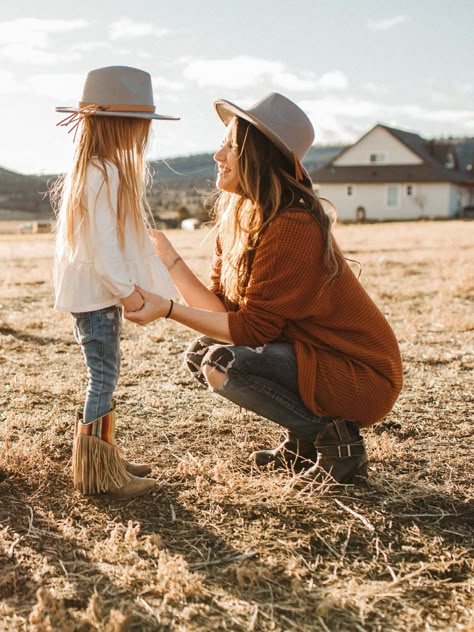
170	309
172	265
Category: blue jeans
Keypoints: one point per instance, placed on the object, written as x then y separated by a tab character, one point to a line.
98	333
261	379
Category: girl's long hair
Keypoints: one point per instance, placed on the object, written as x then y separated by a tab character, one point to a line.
117	140
267	187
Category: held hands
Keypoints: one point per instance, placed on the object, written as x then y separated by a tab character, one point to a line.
153	307
133	302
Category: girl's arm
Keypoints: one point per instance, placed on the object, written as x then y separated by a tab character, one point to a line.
194	292
210	323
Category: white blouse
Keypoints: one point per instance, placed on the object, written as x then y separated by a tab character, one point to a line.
97	273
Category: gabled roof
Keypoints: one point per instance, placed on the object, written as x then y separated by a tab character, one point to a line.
433	153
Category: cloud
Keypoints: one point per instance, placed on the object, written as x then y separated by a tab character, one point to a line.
64	88
127	29
244	72
236	72
333	80
26	40
160	84
344	120
387	24
9	84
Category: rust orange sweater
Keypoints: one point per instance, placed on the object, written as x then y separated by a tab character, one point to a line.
347	355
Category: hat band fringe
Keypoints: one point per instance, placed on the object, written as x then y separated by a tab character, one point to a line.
298	169
89	109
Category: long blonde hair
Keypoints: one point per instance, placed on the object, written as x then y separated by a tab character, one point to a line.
267	187
117	140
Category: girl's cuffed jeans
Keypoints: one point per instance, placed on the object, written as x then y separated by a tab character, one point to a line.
98	333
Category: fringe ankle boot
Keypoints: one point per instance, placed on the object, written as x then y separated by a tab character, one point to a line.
98	465
137	469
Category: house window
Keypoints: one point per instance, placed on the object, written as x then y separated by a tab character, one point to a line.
450	163
377	156
349	190
392	196
409	189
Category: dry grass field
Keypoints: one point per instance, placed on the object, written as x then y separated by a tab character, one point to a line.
220	545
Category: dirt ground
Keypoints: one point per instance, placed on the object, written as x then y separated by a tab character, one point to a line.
220	545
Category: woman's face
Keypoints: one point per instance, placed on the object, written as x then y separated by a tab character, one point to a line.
227	158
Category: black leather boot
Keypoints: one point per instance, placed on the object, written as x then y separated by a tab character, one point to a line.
293	453
341	453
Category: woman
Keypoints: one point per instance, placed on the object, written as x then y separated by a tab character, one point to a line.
288	330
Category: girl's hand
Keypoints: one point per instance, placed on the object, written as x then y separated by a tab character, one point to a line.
133	302
154	306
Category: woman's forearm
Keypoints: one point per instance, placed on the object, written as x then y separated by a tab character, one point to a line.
209	323
194	292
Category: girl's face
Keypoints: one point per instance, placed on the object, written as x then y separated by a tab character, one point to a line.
227	158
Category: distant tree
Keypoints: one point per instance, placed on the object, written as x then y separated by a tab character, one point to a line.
183	213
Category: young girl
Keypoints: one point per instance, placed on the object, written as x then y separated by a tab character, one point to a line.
102	251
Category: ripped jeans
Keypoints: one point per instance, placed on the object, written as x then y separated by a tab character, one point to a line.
261	379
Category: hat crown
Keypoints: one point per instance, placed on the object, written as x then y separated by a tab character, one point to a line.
118	85
287	121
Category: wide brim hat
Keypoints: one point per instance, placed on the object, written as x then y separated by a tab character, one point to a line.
117	91
278	118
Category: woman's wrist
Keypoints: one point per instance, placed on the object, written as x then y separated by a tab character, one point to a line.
170	309
173	263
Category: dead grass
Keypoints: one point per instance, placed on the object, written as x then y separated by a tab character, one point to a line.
221	546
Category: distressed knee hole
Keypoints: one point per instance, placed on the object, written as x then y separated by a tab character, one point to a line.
214	377
215	365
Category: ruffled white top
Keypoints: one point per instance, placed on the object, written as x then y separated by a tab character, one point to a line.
97	273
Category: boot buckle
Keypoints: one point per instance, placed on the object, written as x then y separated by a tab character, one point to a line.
341	452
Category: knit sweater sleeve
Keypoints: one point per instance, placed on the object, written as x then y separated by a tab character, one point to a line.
109	261
287	273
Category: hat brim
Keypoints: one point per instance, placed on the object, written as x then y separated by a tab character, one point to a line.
227	110
145	115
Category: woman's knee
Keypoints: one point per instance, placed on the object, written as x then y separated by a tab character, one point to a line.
195	354
216	363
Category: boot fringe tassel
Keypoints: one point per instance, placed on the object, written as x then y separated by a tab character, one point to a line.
98	466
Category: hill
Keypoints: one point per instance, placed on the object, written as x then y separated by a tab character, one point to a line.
178	183
186	172
24	194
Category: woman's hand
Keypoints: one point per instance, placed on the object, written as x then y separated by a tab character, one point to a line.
162	246
155	306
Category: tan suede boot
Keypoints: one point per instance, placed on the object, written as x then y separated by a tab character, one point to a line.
136	469
341	453
98	465
293	453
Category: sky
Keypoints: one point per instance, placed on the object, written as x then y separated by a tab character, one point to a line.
350	64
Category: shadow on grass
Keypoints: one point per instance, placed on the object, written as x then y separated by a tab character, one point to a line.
49	535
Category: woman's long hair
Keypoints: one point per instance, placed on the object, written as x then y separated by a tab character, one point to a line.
267	187
117	140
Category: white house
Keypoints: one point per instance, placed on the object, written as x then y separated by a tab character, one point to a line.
390	174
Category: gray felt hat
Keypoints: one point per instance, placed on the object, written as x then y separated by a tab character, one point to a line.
278	118
118	91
